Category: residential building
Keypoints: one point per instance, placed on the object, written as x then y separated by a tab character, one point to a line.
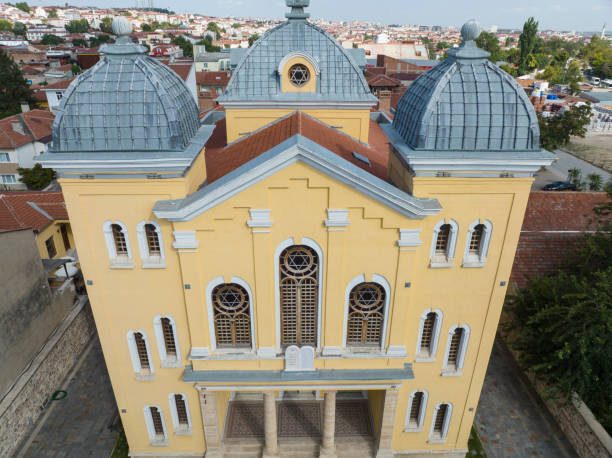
23	137
210	86
397	50
55	92
296	257
409	66
37	33
210	61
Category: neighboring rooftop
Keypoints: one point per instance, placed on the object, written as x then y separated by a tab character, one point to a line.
24	128
213	78
30	210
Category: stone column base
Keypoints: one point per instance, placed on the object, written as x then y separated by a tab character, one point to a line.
267	454
327	453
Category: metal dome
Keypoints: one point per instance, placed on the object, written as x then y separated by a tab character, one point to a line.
126	102
467	104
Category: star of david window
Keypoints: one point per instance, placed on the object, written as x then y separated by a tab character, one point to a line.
299	75
366	314
232	316
299	293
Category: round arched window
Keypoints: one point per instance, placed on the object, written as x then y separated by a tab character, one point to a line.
299	75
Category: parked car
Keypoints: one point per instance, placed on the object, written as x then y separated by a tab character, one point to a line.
560	186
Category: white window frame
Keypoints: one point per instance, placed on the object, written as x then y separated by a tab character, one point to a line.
148	261
141	374
211	315
435	338
465	339
8	156
8	179
446	261
155	441
408	428
447	418
281	247
117	262
480	260
179	430
166	361
379	280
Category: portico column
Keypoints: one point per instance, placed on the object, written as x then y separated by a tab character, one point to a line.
385	441
328	448
271	448
210	419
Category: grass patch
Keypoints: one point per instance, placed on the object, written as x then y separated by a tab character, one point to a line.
595	149
121	448
474	445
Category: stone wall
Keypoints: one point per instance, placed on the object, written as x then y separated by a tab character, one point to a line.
22	405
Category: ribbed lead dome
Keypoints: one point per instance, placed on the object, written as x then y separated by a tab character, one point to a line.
467	103
126	102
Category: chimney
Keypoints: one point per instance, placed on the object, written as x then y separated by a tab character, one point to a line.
25	107
384	101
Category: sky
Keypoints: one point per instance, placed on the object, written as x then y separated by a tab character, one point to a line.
579	15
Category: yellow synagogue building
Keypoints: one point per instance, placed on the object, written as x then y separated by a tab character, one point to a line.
296	275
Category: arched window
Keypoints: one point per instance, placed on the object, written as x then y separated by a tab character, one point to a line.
456	347
415	416
140	353
429	333
179	409
366	314
156	426
477	244
118	244
167	341
232	316
151	245
440	423
443	243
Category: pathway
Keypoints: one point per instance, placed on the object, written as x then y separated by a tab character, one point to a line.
511	420
82	424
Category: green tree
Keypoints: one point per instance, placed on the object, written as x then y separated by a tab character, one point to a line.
253	39
78	26
36	178
574	176
509	41
49	39
442	45
76	69
430	47
53	13
99	40
23	6
14	88
146	28
185	45
214	27
19	28
106	25
489	42
235	25
556	130
598	53
79	42
208	45
5	26
527	42
570	74
595	182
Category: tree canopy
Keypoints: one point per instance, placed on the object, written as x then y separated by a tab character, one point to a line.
19	28
527	43
14	89
53	13
253	39
36	178
5	26
208	45
184	44
106	25
78	26
49	39
146	28
23	6
598	53
214	27
489	42
555	131
99	40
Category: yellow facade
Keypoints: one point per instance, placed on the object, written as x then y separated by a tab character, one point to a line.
54	231
241	122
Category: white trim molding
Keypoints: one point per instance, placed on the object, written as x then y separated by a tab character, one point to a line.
465	338
435	439
199	353
480	260
424	356
179	430
418	427
281	247
211	315
409	238
260	221
382	281
337	220
166	361
299	54
155	440
185	241
444	261
117	262
141	374
148	261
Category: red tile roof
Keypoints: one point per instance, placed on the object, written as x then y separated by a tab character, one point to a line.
36	125
30	209
382	81
213	78
63	84
221	160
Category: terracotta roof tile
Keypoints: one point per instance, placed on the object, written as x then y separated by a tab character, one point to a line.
382	81
222	160
30	209
36	125
63	84
213	78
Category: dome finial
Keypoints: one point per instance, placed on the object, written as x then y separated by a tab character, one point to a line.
470	30
121	26
297	9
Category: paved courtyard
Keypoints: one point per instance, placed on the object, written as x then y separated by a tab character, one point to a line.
511	420
84	423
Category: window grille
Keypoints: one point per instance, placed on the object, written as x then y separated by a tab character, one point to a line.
428	330
299	75
152	240
299	291
415	408
141	347
366	314
443	239
50	244
453	351
168	332
476	239
120	242
232	316
158	426
181	410
440	417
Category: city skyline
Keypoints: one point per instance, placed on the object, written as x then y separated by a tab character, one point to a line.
588	15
